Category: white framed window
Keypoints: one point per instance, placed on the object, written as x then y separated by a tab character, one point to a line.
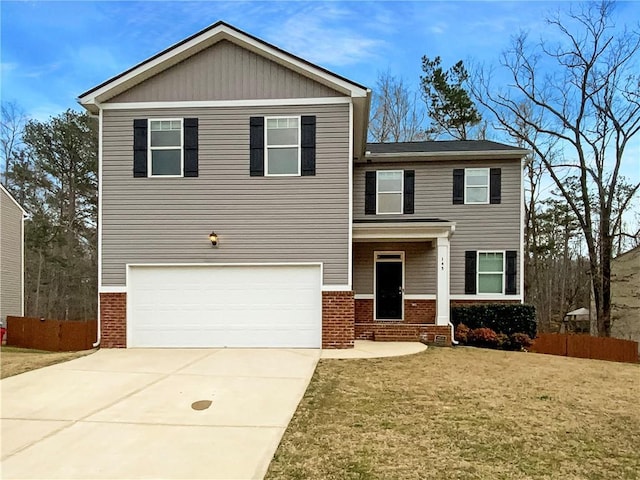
491	273
476	185
389	191
282	152
165	147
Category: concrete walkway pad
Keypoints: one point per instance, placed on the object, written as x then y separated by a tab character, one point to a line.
369	349
127	413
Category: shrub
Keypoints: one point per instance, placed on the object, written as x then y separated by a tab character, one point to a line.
483	337
462	331
501	318
503	341
520	341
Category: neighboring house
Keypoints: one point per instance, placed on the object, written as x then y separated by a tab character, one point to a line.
11	256
625	296
240	206
576	321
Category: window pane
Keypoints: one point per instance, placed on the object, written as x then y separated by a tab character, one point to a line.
165	138
389	181
389	203
282	136
477	194
165	162
282	161
490	262
490	283
480	177
157	125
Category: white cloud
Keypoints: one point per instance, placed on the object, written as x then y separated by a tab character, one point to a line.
6	67
324	34
438	28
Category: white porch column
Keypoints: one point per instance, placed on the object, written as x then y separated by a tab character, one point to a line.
442	289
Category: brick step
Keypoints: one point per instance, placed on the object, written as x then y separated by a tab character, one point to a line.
396	336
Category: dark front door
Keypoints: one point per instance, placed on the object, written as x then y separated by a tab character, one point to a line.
389	290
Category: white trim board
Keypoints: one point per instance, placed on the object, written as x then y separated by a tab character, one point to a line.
325	288
336	288
522	217
408	296
259	102
350	203
420	296
442	155
496	297
110	289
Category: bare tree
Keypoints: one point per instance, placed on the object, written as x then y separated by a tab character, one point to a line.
12	123
396	115
588	101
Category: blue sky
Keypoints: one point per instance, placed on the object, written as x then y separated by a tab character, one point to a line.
53	51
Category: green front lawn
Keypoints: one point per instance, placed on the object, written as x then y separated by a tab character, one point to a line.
465	413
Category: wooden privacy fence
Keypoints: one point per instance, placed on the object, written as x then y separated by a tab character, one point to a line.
586	346
51	335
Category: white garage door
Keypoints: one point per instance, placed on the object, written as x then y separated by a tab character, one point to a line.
224	306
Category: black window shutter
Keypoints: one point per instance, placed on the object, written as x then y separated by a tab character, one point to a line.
256	146
512	269
494	185
370	193
140	148
470	271
308	145
409	188
458	186
190	147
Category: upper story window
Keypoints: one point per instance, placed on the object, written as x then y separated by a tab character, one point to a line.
389	190
165	147
283	146
491	272
476	185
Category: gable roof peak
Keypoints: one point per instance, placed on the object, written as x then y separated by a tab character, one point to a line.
197	42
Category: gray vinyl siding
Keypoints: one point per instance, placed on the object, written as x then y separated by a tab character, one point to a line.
225	71
419	266
11	253
257	219
478	227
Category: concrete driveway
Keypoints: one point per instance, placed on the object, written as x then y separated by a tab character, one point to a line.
128	414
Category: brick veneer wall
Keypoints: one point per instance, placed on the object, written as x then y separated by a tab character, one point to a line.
113	320
418	324
415	311
338	311
399	331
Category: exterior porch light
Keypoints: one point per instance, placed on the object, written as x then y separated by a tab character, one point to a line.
213	237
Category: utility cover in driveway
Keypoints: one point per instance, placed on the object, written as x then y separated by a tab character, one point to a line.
224	306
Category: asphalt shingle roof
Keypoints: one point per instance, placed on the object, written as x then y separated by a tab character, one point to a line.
439	146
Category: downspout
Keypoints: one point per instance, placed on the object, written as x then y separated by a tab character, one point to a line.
453	331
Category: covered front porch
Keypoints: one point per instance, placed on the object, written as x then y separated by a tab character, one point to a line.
401	280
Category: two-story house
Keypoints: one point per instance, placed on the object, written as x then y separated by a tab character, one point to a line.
241	206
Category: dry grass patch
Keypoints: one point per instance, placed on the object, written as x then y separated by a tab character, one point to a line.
19	360
465	413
